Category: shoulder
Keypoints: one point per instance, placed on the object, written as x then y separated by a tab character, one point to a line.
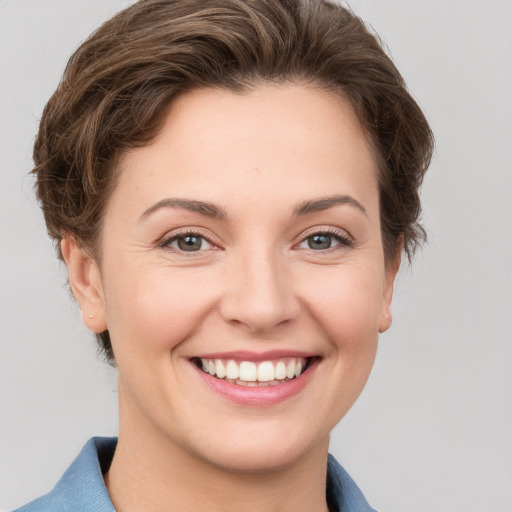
81	487
343	494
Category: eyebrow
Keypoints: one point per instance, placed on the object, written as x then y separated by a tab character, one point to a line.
202	207
211	210
325	203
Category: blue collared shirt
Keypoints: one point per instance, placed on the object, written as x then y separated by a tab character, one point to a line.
82	488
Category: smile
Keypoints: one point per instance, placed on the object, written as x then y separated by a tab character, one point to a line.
254	374
256	379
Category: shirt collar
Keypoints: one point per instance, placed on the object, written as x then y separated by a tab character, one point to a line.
82	488
343	495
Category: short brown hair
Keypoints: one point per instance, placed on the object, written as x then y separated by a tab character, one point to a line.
117	86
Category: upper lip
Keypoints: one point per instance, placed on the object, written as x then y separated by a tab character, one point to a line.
247	355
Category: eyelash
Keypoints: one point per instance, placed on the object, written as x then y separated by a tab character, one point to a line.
165	243
344	241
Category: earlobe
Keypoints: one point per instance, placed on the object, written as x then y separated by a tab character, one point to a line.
385	321
386	317
391	272
86	284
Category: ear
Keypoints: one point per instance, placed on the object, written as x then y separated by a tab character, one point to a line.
389	280
86	284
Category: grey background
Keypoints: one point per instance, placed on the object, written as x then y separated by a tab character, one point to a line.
433	429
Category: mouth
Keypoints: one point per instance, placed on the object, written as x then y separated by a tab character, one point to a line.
263	373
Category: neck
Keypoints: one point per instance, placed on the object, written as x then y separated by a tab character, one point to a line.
151	472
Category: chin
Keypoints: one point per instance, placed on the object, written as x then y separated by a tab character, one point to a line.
256	461
261	452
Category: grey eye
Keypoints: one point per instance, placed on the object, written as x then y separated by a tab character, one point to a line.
189	243
325	240
319	241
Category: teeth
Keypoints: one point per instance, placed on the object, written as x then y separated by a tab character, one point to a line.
248	373
266	371
220	370
232	371
290	369
256	384
280	371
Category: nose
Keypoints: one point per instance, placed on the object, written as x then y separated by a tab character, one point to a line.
259	292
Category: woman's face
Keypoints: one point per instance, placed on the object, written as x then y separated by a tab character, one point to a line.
245	240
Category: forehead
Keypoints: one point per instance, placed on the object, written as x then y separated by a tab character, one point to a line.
278	142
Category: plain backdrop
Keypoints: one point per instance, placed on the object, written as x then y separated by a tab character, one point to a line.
433	429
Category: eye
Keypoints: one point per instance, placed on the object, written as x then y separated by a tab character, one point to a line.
188	242
323	241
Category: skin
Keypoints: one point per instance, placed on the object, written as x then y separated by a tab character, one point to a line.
256	285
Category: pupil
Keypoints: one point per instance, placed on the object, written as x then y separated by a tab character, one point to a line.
189	243
319	242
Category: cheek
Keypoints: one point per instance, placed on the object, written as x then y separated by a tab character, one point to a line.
347	306
157	309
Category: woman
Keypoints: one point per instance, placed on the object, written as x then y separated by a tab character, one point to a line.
231	187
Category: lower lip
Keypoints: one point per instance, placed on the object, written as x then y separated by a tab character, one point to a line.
258	396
